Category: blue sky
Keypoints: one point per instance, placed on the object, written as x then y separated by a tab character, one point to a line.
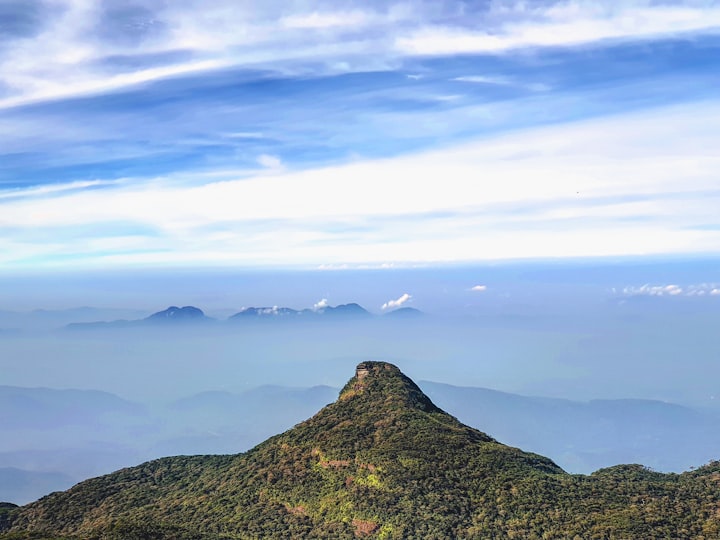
355	134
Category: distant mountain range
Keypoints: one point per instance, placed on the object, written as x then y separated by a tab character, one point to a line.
382	461
269	313
192	315
46	319
584	436
26	486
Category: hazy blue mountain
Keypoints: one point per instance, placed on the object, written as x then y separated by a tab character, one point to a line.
190	314
174	314
86	433
351	310
276	399
585	436
344	311
27	408
265	313
58	437
21	487
47	319
404	313
223	422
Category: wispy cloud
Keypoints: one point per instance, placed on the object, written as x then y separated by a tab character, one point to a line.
563	24
479	288
698	290
40	191
70	50
502	81
392	304
592	188
341	134
328	19
269	161
482	79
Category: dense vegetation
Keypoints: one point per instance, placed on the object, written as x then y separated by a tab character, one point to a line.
380	462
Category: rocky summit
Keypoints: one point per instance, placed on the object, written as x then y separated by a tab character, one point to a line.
380	462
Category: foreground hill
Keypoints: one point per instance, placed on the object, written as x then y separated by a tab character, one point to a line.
384	462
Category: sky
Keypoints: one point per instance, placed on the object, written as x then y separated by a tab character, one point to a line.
138	134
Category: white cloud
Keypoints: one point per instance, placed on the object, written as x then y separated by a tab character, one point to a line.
392	304
564	24
321	304
701	289
244	135
321	20
269	161
481	79
502	81
479	288
590	188
67	58
653	290
36	191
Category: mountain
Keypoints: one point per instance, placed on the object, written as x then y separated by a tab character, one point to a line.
383	461
266	312
64	436
6	510
24	486
404	313
174	314
217	422
351	310
168	317
584	436
50	439
33	408
191	315
344	311
43	319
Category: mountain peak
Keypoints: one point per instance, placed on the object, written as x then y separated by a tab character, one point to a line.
364	369
385	383
174	313
347	310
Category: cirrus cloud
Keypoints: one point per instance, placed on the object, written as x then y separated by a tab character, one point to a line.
590	188
86	48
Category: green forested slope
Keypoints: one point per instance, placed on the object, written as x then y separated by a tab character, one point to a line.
380	462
